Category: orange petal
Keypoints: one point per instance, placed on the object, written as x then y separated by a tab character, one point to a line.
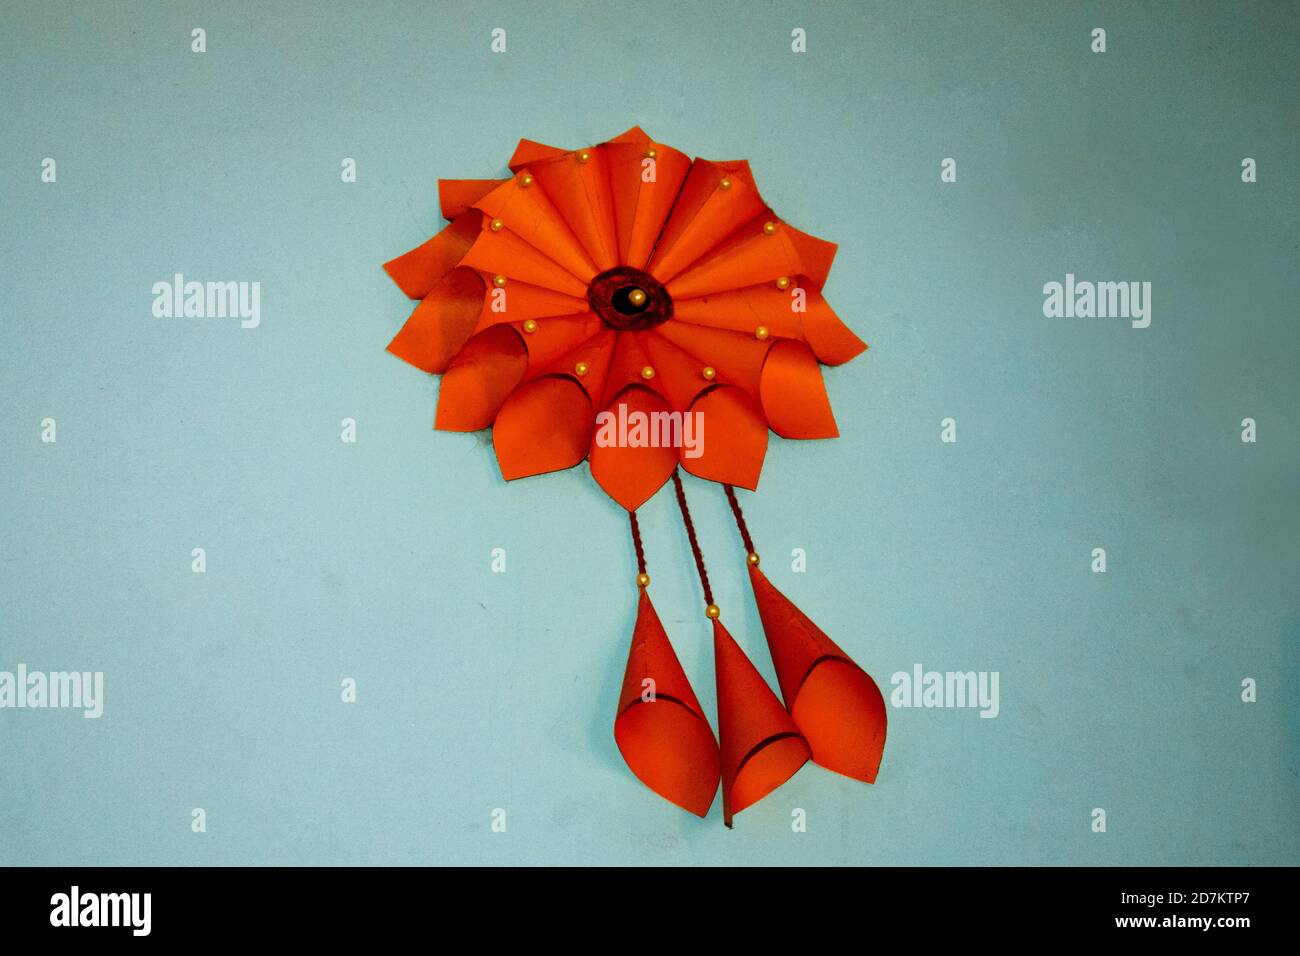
455	196
737	357
640	207
595	351
543	426
794	395
744	310
552	337
504	253
832	341
761	746
528	214
630	475
834	702
519	301
626	365
528	152
442	322
703	215
418	271
479	378
580	191
677	373
665	740
733	440
815	255
749	257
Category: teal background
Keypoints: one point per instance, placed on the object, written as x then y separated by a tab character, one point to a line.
371	561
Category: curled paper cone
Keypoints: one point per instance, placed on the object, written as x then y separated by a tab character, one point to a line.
660	729
761	746
833	701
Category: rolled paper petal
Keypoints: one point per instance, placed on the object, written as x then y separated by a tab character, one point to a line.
626	365
748	258
676	371
479	379
594	352
529	214
418	271
744	310
761	746
794	395
641	207
739	354
442	322
580	191
529	152
733	440
543	426
660	729
815	255
630	474
832	341
520	301
552	337
455	196
703	215
504	253
834	702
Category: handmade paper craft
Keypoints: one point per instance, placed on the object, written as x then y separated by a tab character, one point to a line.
630	306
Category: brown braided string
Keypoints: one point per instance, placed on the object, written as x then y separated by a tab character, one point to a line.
740	519
690	533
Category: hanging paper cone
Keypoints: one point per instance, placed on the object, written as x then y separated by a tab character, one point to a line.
665	740
833	701
761	746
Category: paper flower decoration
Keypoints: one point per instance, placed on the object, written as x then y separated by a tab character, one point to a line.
626	304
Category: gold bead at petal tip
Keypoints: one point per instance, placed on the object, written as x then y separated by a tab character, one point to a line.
583	156
526	180
582	368
752	558
530	325
783	283
497	225
708	372
499	281
642	580
769	229
725	184
712	612
648	372
651	153
636	297
760	333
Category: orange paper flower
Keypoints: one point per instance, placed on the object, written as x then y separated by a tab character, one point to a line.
624	274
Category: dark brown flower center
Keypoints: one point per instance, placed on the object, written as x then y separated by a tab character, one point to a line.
629	300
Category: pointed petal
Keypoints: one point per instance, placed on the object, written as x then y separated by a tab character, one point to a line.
703	215
834	702
543	426
666	740
733	438
815	255
626	365
529	152
794	395
641	208
529	214
629	475
520	301
418	271
744	310
552	337
442	322
479	378
504	253
455	196
749	257
678	374
580	191
595	351
737	357
832	341
761	748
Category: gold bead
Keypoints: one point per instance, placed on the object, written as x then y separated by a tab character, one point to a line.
725	184
769	229
783	283
583	156
636	297
709	373
712	612
752	558
760	333
530	326
651	153
526	180
582	368
648	372
642	580
497	225
499	281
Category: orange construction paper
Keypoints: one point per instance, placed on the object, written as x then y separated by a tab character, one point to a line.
580	191
543	426
735	438
641	208
631	475
418	271
442	322
794	395
455	196
834	702
832	341
661	731
703	215
521	301
761	746
529	214
479	379
502	252
748	257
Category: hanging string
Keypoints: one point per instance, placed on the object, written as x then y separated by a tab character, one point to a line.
690	533
636	542
740	519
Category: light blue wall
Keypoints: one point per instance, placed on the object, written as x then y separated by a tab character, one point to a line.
478	690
